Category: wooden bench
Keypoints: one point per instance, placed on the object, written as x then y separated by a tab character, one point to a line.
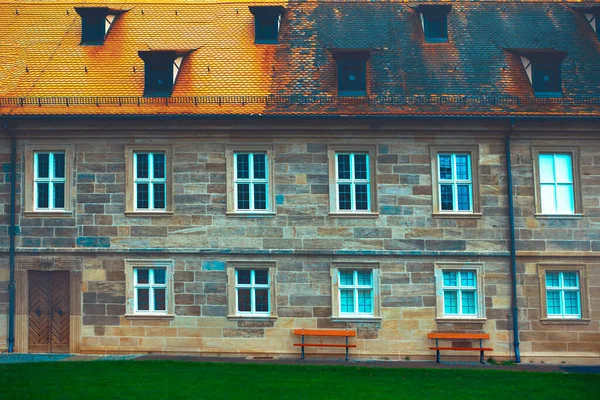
325	332
459	336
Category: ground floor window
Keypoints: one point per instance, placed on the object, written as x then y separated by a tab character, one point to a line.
251	289
460	291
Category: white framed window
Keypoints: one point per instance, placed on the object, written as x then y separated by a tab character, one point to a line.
556	183
251	289
455	182
150	181
460	291
563	294
355	291
49	181
251	182
150	286
353	183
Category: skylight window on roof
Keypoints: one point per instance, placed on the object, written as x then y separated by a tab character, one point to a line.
352	72
434	19
95	24
267	21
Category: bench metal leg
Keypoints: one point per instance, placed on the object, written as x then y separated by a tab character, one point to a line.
437	352
302	358
481	355
346	348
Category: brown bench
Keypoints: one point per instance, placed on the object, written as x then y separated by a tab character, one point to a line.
325	332
459	336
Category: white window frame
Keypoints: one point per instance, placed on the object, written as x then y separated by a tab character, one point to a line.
561	289
480	308
232	290
355	287
459	289
250	181
455	182
150	181
151	286
556	184
51	180
131	311
252	286
352	182
336	308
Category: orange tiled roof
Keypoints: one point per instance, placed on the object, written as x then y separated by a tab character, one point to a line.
45	71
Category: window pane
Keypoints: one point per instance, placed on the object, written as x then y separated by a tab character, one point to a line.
360	166
159	165
464	197
564	168
142	165
244	300
160	303
260	196
546	162
450	278
42	195
243	276
59	165
468	303
142	195
365	304
344	200
446	197
347	301
347	278
243	166
160	276
564	199
572	303
260	171
462	167
59	195
362	197
467	278
243	192
364	278
548	198
143	299
261	277
570	279
553	302
43	165
343	166
450	303
262	300
552	279
143	276
445	166
159	195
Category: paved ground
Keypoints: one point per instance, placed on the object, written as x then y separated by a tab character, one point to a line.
28	358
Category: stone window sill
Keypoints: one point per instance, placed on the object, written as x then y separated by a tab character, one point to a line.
462	320
251	318
354	215
559	216
149	214
250	214
458	215
149	316
48	214
356	319
560	321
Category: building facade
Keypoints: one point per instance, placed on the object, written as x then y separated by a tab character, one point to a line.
318	179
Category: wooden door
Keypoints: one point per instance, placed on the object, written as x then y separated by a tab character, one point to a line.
49	312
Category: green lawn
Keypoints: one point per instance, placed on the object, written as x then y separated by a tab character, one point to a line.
186	380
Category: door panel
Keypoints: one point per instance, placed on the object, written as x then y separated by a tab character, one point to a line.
49	312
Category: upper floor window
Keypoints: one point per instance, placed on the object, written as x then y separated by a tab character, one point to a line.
352	71
49	189
434	19
267	20
557	188
148	179
353	182
250	180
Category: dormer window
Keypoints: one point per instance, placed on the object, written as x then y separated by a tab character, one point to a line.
96	23
267	20
434	19
542	67
352	71
592	15
161	69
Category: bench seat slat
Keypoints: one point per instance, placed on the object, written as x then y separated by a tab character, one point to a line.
468	336
325	332
323	345
462	348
